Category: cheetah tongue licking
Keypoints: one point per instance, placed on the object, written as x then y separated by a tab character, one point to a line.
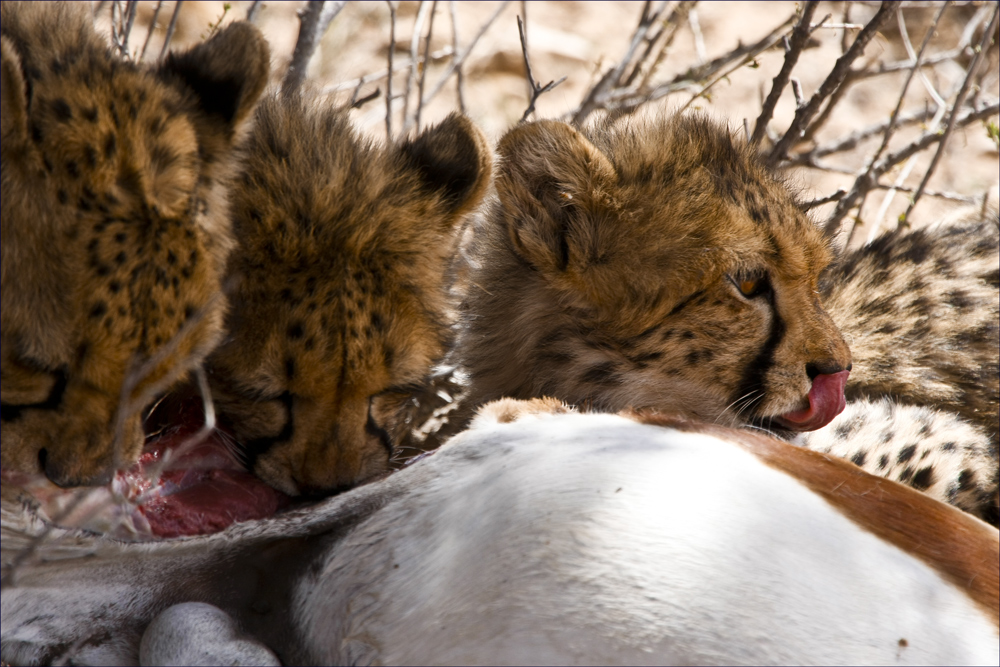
826	401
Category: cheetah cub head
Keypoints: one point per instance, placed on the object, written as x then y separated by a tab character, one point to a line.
650	265
341	302
114	230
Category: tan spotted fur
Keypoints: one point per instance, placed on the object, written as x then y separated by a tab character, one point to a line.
340	301
114	229
605	274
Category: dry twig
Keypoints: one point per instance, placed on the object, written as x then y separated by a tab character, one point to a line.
536	89
832	82
170	29
793	47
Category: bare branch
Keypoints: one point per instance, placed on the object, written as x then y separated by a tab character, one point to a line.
747	59
152	28
836	196
613	77
800	35
313	22
457	62
411	78
388	80
624	99
867	181
357	103
170	29
459	78
959	101
536	90
851	141
423	70
832	82
131	7
254	9
441	54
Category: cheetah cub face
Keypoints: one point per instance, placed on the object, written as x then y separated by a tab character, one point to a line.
114	232
650	265
342	250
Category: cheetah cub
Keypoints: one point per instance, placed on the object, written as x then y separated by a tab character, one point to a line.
114	230
659	265
655	266
341	299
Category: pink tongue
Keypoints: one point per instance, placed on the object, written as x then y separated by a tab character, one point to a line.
826	401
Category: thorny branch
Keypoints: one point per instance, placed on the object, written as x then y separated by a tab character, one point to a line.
832	82
959	101
793	47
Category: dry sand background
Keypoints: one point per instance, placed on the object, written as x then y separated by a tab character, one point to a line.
582	40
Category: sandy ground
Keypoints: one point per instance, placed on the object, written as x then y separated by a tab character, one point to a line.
581	40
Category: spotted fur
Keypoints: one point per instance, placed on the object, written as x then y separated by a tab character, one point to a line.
921	312
931	450
114	230
606	273
341	301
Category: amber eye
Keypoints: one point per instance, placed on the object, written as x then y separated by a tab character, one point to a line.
751	284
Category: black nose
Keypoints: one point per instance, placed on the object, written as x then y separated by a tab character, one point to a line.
826	367
58	476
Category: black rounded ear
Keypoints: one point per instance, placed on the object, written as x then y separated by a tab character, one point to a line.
550	182
227	73
13	95
454	159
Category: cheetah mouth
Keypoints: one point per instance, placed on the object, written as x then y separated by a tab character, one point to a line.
185	483
826	401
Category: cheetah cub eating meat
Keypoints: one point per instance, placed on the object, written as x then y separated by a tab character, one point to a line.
341	298
114	230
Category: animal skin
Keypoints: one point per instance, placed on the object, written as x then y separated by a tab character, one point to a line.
545	536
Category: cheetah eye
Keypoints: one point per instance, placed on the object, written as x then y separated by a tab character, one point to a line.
750	284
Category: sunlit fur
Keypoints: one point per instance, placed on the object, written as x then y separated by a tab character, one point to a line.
339	299
607	270
114	229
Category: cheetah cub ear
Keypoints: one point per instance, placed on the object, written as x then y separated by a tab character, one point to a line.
454	160
226	75
13	95
552	180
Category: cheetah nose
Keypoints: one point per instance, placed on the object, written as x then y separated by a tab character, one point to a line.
826	401
58	475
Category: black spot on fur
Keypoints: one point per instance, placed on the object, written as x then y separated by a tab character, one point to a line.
90	114
883	462
98	310
62	196
601	374
948	447
906	454
72	168
966	480
923	478
289	368
90	156
295	330
110	145
62	110
859	458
